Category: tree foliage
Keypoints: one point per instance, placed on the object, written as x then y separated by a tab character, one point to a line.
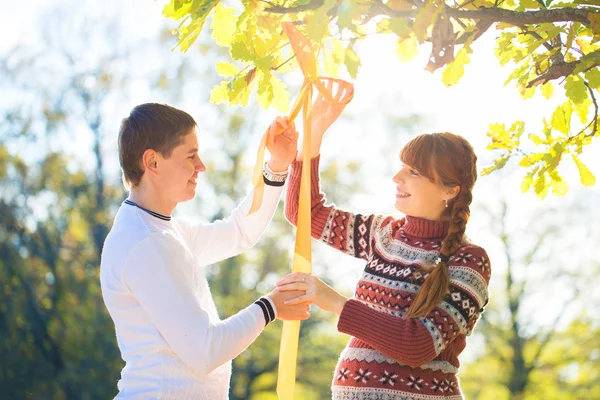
551	45
540	333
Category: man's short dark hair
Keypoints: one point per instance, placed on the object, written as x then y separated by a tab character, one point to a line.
159	127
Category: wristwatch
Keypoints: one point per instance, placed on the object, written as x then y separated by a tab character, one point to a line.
273	178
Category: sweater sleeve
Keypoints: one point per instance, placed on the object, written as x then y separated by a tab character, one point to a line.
416	341
231	236
160	275
345	231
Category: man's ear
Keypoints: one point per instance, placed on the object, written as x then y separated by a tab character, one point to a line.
150	161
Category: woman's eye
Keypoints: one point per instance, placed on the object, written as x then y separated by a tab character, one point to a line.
414	172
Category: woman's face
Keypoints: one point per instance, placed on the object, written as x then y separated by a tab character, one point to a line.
419	196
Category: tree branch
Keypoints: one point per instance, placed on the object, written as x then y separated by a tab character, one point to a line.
560	70
274	8
493	14
595	121
524	17
550	335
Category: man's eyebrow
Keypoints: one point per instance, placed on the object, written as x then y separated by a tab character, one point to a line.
194	150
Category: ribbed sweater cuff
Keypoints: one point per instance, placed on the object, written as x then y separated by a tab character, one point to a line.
296	175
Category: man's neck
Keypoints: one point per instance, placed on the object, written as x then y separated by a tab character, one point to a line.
149	198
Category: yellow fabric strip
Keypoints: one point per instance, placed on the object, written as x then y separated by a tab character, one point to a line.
288	352
286	380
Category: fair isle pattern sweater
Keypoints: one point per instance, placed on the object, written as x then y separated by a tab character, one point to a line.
389	357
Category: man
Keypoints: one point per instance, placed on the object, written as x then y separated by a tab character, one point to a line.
170	336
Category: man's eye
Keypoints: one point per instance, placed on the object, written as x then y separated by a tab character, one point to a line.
414	172
191	157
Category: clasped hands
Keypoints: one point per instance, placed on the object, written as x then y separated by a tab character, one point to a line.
295	293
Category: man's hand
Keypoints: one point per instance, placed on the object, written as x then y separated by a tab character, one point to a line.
311	289
289	312
284	146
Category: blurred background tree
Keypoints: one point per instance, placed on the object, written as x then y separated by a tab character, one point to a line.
63	95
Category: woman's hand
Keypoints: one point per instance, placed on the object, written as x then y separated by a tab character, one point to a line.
324	113
317	292
282	147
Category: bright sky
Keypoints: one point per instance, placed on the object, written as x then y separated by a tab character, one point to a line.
404	88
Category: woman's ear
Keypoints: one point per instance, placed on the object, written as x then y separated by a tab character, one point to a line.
452	192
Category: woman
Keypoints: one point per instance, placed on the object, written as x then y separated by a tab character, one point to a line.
424	285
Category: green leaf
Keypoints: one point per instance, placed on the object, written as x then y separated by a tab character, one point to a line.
593	78
316	24
540	187
499	163
226	69
587	178
223	25
407	49
575	89
265	63
570	36
240	51
352	61
423	20
400	27
344	13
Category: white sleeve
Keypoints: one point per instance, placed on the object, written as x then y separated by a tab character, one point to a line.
231	236
160	274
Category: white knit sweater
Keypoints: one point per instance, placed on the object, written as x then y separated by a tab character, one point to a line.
171	338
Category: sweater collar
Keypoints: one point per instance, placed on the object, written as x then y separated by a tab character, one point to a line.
424	228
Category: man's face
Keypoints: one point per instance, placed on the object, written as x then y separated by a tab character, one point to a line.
178	173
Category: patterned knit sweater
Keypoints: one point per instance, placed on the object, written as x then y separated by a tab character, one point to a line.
389	357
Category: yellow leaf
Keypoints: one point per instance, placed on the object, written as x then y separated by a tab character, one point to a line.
226	69
331	67
456	69
407	49
587	178
547	90
585	45
526	183
561	118
352	61
219	94
223	25
189	38
281	96
169	10
583	110
530	4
